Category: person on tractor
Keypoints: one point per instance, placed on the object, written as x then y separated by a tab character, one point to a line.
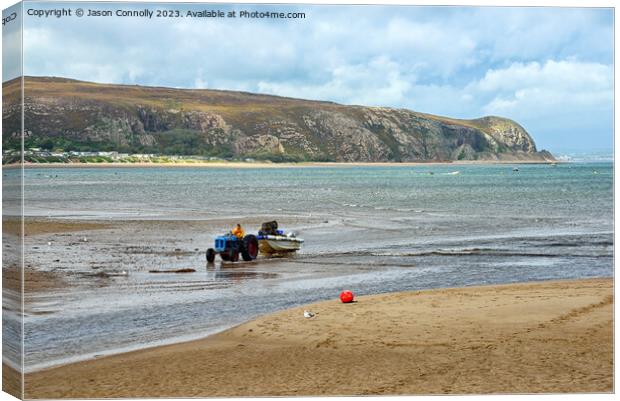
238	231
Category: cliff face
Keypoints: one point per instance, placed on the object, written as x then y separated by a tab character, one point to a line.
73	115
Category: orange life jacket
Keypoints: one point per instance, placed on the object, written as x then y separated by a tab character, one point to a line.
238	232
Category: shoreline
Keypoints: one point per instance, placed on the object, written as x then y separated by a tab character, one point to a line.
191	338
279	165
387	330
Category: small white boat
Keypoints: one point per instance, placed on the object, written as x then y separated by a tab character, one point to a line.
278	243
271	240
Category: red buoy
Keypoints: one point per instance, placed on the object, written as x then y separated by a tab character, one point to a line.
346	297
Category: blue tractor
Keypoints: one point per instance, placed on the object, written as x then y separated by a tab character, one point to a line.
229	247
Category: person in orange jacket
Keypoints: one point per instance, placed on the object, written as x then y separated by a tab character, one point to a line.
238	231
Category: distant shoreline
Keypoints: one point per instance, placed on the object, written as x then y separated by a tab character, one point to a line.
278	165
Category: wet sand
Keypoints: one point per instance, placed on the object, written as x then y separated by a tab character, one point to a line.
11	381
36	280
39	231
546	337
35	226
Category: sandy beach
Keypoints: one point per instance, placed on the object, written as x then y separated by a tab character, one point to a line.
545	337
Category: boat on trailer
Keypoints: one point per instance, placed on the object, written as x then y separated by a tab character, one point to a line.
271	240
278	243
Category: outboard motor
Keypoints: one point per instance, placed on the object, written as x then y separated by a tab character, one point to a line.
269	228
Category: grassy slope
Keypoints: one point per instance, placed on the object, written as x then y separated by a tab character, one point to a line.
233	106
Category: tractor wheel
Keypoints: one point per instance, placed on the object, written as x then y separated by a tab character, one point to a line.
210	255
225	256
234	255
249	251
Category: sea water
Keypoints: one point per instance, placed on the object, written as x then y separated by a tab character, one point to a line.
367	229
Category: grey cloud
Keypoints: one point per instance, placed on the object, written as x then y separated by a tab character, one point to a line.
430	59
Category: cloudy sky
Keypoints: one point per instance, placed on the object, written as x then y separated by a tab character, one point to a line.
550	69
